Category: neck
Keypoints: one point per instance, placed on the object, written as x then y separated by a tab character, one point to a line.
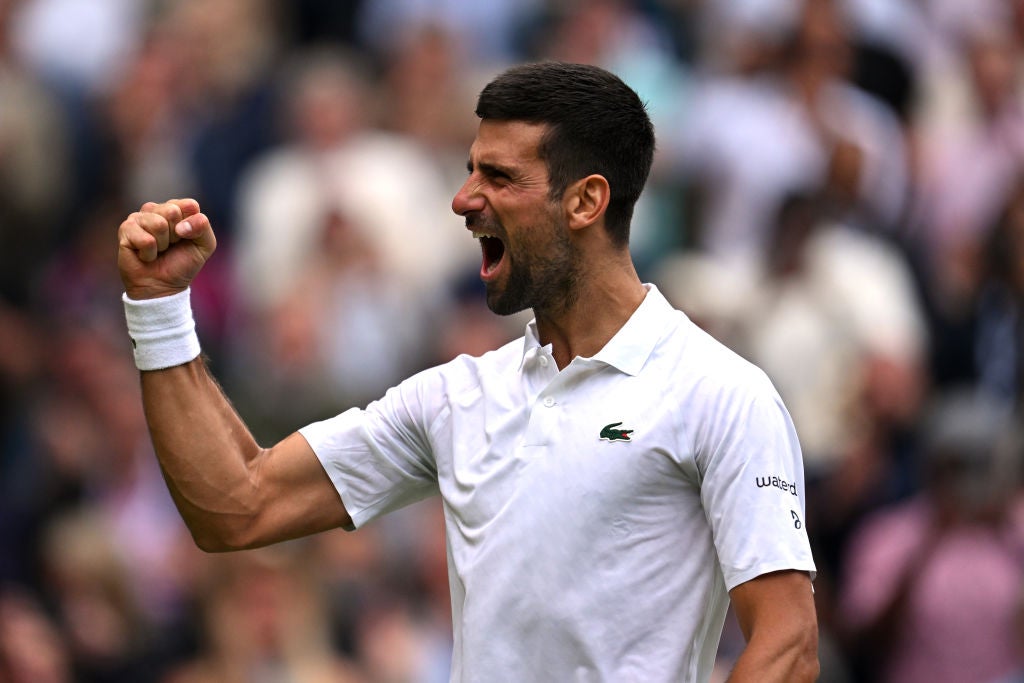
604	303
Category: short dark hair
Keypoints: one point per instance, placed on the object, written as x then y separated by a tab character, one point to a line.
596	124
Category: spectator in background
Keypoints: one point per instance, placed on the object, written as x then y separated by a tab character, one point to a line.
829	303
488	30
958	214
144	118
999	347
337	162
104	33
751	139
347	193
425	95
118	482
1017	676
33	157
623	38
343	329
981	340
890	40
32	649
263	620
931	585
835	322
228	50
110	637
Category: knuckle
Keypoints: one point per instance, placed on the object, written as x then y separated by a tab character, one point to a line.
155	223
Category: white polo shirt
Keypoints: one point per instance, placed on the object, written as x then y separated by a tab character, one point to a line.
596	517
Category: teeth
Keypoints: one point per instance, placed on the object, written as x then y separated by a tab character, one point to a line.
479	235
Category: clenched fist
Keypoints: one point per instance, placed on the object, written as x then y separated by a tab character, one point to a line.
162	247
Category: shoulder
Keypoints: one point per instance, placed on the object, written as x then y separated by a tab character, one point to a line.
722	402
702	364
466	371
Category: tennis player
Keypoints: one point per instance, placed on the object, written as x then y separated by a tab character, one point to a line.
610	481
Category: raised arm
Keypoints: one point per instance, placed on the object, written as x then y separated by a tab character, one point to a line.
231	492
777	616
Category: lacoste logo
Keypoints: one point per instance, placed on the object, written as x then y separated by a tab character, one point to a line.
610	433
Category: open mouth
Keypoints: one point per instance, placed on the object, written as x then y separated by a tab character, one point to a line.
493	250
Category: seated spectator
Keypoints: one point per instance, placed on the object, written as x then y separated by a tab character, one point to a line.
931	585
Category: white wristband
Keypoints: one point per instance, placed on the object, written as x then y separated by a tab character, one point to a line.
162	330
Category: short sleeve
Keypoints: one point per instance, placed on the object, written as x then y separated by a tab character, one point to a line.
752	486
379	458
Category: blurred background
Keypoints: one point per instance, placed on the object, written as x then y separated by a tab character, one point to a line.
838	195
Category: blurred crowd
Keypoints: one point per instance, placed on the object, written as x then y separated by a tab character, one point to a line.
838	195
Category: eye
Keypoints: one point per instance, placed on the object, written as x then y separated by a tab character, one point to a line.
497	175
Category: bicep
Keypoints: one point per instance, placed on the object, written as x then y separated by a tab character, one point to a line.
296	496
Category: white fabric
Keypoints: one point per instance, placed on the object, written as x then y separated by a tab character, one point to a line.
572	557
162	330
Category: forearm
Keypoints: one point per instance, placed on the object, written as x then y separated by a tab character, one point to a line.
207	454
231	492
777	617
795	661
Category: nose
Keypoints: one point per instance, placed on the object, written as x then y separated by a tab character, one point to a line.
468	199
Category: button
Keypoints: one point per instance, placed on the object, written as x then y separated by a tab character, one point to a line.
548	402
543	360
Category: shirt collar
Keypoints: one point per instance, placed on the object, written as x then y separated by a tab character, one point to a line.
631	346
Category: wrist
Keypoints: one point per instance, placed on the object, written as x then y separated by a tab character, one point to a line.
145	293
162	330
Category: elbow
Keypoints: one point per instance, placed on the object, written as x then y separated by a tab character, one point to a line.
212	544
228	526
223	537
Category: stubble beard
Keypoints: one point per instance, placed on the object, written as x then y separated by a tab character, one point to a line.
544	274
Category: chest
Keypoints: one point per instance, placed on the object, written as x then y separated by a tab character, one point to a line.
597	449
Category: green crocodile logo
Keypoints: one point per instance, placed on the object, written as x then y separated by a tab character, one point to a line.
610	433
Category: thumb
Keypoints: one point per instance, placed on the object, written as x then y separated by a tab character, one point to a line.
198	230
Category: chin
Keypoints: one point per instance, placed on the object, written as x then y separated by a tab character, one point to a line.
503	305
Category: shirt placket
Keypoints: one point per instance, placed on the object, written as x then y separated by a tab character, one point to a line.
541	428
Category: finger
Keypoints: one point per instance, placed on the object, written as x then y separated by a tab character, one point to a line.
170	211
198	229
188	206
133	237
158	226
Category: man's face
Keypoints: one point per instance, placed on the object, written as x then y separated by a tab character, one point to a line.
528	259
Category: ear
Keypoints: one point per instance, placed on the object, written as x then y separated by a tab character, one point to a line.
586	200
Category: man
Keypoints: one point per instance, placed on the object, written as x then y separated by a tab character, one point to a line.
609	481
